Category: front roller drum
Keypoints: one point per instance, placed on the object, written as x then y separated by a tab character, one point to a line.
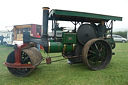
97	54
28	56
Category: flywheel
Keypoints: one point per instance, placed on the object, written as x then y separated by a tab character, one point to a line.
85	33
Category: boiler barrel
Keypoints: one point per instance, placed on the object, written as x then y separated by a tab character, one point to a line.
55	47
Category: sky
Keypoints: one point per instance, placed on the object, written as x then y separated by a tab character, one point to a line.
18	12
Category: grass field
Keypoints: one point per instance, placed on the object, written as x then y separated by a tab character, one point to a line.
61	73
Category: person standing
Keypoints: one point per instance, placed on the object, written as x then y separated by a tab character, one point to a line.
38	36
1	38
102	29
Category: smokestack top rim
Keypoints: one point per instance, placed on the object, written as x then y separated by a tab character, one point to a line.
45	8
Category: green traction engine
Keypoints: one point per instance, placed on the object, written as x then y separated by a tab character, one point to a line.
87	42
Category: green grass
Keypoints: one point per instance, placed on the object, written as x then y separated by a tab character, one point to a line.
61	73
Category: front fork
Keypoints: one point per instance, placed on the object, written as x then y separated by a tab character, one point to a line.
18	63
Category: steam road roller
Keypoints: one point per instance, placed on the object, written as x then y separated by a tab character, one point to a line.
86	42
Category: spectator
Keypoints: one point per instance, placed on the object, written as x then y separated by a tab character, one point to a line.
38	45
1	38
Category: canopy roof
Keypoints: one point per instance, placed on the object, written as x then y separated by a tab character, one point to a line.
65	15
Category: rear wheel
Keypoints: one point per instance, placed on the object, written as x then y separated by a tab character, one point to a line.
97	54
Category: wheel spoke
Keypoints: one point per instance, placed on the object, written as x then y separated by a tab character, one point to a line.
91	58
100	47
96	47
92	52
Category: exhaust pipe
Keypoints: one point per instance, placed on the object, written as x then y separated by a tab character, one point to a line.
45	21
